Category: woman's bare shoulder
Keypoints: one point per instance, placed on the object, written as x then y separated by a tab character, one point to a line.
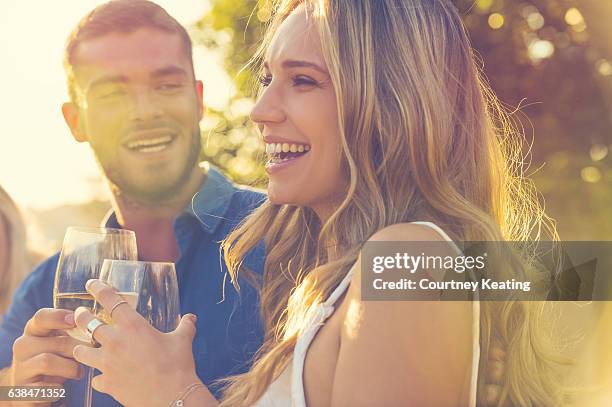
392	343
408	232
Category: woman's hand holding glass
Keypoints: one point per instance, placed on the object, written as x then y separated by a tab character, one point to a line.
139	364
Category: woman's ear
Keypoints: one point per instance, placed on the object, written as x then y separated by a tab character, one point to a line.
71	117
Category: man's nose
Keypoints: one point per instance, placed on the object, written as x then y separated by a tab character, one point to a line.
144	106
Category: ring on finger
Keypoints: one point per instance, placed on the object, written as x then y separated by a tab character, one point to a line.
92	326
118	303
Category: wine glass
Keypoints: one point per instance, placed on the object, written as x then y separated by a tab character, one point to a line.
149	287
83	252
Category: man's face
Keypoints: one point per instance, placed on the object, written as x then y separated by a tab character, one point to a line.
139	108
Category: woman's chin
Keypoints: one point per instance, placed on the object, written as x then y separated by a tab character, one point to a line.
280	199
275	196
283	196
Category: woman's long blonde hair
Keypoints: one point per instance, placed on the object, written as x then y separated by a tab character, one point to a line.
423	138
19	261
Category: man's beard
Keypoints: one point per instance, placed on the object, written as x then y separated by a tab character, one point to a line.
155	192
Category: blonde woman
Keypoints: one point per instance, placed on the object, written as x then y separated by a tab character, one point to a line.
378	126
16	261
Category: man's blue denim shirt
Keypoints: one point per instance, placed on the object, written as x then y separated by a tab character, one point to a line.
229	330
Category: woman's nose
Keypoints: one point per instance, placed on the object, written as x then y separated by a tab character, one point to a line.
268	108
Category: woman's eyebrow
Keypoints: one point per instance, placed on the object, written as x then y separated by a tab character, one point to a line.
296	63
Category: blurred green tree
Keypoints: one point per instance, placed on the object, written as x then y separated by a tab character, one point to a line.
549	61
229	139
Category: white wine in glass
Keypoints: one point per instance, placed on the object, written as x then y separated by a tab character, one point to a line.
83	252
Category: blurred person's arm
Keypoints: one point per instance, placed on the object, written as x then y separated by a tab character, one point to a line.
4	377
35	292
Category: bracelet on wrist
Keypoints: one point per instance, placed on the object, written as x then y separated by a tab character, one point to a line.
179	401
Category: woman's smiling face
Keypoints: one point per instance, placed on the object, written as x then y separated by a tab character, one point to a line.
297	115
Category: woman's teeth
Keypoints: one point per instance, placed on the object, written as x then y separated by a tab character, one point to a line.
152	145
275	148
280	152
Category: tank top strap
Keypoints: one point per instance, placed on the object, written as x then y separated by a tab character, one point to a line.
441	232
341	288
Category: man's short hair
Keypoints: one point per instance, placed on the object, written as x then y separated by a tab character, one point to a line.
120	16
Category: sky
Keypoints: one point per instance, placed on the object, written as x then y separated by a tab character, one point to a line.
41	166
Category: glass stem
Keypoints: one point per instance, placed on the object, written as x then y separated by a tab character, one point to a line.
88	389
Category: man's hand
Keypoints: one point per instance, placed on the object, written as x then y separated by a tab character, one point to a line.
42	356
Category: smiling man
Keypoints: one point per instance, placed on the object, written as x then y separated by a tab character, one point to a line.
137	103
134	98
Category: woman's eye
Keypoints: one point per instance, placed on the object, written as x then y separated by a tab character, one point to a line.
303	80
299	80
265	80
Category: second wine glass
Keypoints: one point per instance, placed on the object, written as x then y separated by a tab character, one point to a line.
149	287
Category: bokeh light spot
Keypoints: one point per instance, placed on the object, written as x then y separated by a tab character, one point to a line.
574	17
484	5
535	21
598	152
590	174
496	21
604	67
540	49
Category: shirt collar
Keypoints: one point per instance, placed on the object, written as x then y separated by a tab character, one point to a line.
209	205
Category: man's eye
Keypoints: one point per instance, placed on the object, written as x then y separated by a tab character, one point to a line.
301	80
112	94
265	80
168	86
